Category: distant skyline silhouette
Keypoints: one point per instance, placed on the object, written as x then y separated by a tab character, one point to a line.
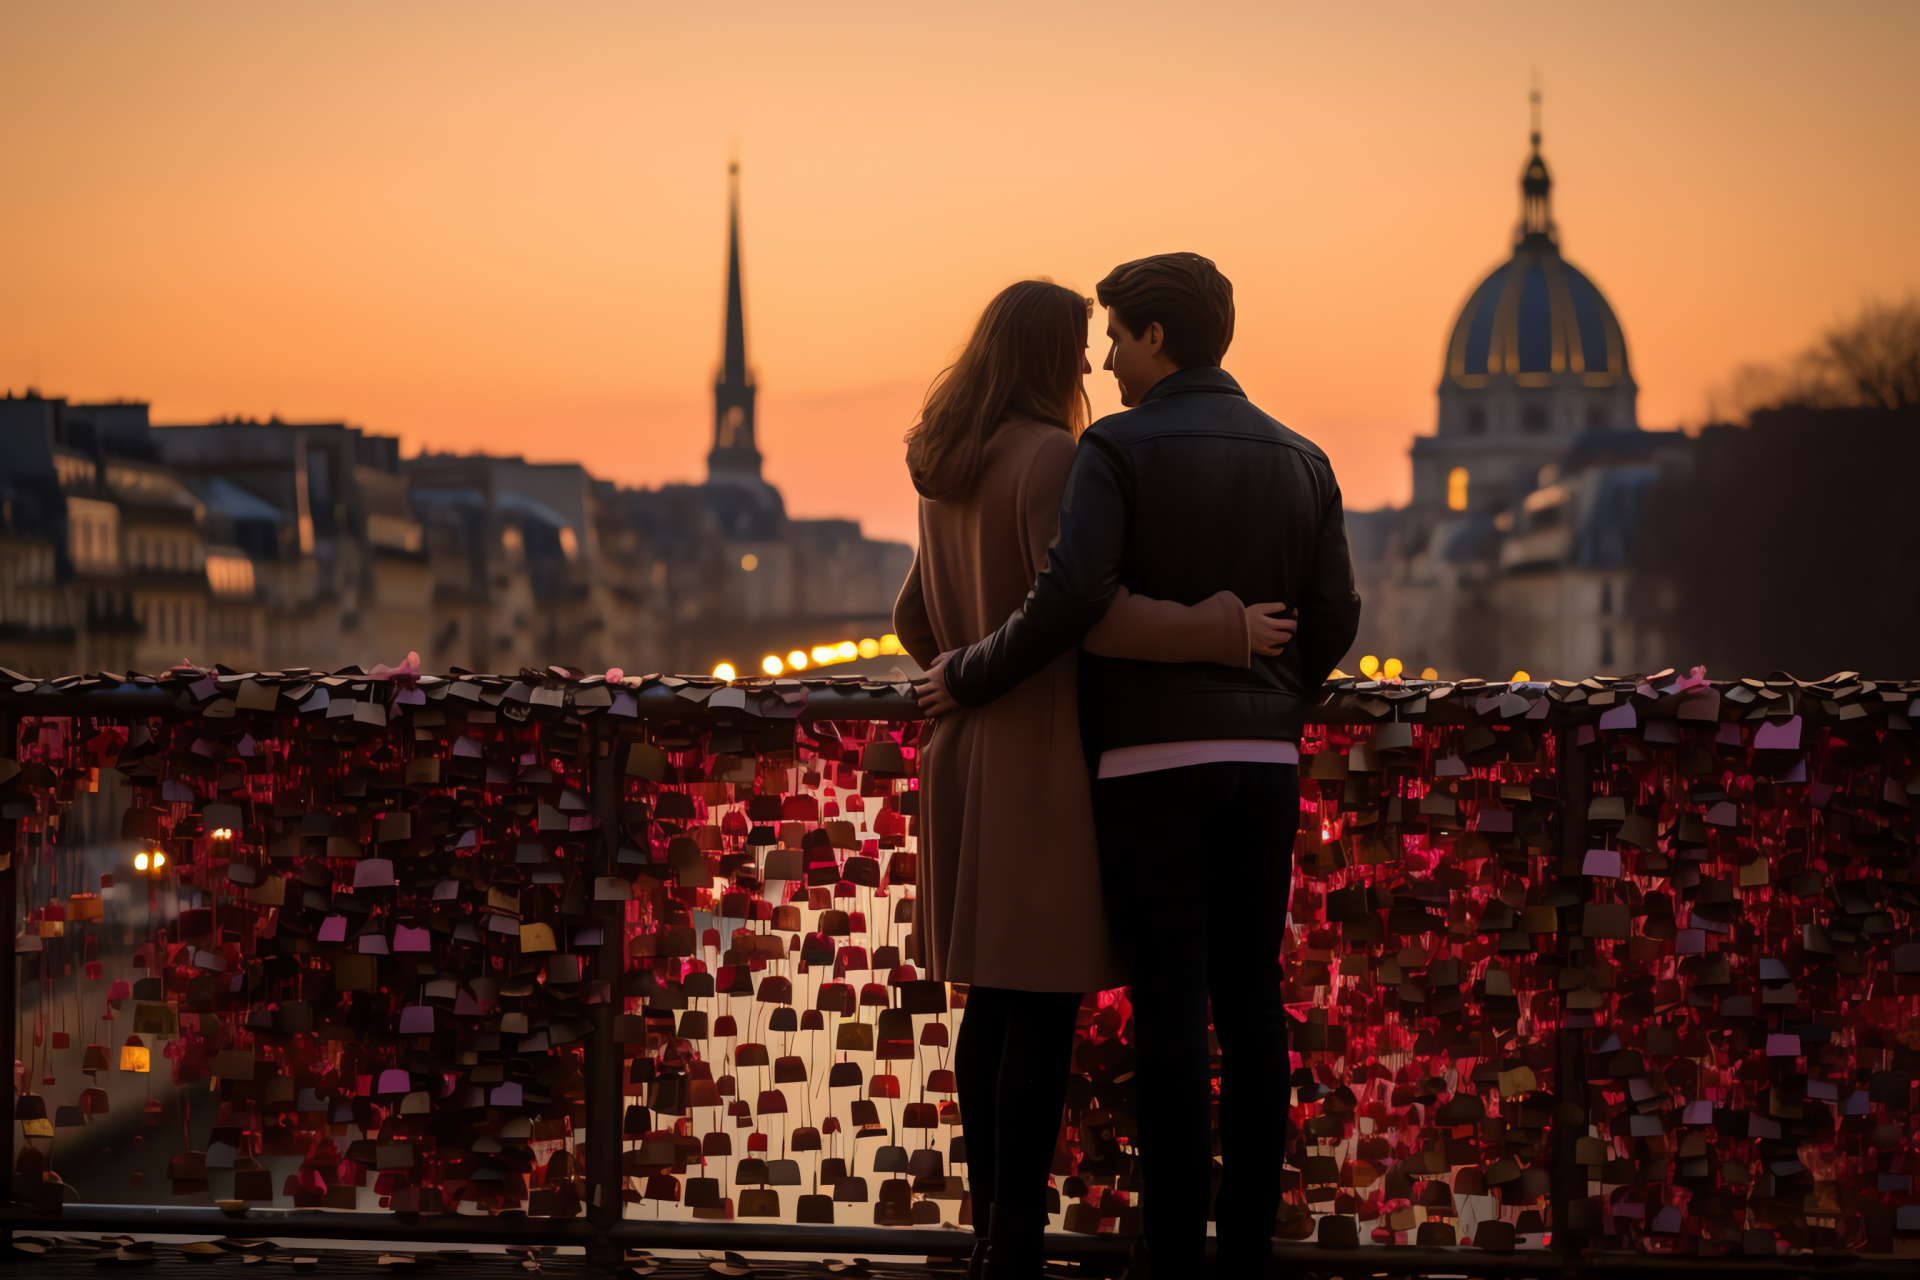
484	227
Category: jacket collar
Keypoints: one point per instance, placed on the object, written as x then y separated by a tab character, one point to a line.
1198	378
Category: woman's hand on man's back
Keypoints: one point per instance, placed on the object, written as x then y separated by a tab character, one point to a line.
1268	629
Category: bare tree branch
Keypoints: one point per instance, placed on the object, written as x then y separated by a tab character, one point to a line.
1871	361
1874	362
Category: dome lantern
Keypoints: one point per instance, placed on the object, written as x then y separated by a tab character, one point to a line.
1536	189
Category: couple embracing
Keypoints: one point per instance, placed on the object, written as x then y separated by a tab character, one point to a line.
1122	624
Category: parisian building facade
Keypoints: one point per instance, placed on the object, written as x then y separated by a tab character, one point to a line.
129	546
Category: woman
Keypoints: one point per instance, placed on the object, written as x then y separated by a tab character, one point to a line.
1009	897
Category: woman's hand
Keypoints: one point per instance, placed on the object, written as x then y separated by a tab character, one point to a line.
1268	630
931	689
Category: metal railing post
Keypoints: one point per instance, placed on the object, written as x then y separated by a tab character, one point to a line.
9	962
605	1186
1570	1058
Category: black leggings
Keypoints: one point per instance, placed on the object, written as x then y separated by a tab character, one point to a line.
1012	1059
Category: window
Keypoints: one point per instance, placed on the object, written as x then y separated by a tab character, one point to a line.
1606	646
1534	420
1606	597
1476	421
230	575
1457	489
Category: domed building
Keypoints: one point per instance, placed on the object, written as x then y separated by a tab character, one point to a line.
1517	550
1536	358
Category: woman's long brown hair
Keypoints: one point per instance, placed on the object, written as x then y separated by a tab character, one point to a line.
1023	358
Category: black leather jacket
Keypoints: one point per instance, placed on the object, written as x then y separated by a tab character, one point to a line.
1193	492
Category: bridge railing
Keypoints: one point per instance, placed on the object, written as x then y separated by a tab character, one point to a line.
1623	967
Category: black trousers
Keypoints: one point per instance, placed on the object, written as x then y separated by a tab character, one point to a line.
1011	1068
1197	864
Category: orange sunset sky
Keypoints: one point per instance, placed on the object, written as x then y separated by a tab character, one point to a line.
501	226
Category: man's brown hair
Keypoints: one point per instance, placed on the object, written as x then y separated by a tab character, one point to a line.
1184	292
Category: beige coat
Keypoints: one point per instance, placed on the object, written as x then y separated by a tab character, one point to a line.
1009	892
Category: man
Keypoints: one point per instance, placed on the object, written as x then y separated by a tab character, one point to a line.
1193	490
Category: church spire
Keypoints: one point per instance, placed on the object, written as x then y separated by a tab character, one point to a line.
734	365
734	450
